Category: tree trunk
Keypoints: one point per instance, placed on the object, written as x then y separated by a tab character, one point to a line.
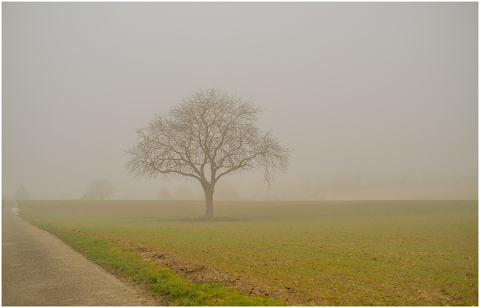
209	203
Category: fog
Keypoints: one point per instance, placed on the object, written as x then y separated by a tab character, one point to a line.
377	100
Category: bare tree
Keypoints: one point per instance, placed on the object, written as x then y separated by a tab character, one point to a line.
98	189
164	194
22	193
207	136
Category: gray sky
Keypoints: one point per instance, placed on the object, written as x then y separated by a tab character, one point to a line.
366	92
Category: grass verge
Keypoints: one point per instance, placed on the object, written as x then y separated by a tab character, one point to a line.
124	262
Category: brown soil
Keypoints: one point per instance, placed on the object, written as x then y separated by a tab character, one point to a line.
200	273
208	219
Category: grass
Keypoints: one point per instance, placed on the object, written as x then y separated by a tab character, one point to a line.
336	253
127	263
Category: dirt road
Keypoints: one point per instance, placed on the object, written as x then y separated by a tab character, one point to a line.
38	269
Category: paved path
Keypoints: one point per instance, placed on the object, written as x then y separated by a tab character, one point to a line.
40	270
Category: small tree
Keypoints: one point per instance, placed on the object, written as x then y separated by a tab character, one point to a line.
207	136
164	194
98	189
22	193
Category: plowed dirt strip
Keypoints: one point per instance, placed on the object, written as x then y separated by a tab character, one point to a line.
40	270
199	273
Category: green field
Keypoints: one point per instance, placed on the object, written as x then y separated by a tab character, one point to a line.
330	253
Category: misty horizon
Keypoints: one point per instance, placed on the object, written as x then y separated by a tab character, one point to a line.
377	100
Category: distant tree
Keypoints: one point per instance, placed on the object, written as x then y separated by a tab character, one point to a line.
226	191
207	136
164	194
184	193
98	189
22	193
